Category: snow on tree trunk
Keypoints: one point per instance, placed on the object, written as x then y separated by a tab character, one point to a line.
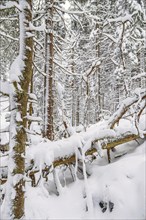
20	77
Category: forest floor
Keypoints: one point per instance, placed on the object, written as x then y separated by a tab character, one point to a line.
118	190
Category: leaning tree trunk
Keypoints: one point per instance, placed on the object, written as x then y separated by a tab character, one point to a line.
20	77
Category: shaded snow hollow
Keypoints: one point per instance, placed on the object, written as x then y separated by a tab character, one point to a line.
117	190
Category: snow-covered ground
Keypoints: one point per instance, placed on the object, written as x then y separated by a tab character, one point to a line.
117	189
4	112
112	191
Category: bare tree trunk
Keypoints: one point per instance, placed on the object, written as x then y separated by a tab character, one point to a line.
15	189
45	83
98	78
30	104
78	108
73	90
48	130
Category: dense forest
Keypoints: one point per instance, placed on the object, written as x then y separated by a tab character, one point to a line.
73	109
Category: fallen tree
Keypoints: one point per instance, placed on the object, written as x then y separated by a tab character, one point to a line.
103	136
106	145
110	143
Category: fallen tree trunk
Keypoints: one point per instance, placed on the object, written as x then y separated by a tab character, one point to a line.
112	143
68	151
106	145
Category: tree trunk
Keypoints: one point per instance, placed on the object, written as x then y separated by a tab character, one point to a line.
48	112
98	73
45	94
30	104
14	199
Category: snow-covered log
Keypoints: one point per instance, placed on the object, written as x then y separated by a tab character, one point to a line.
108	144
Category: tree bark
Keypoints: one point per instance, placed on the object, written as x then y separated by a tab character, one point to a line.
50	128
15	189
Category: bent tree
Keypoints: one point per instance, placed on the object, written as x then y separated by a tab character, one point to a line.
20	78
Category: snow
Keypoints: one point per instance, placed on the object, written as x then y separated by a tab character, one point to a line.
10	4
4	137
38	28
17	178
139	75
4	87
138	94
3	164
110	37
18	117
100	190
122	19
60	90
122	183
46	152
123	179
35	128
119	187
16	69
66	206
32	96
34	118
69	11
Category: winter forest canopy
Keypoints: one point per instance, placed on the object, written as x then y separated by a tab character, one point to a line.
73	109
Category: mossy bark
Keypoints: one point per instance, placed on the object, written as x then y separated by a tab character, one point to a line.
19	105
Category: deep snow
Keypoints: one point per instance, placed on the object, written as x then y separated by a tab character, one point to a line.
122	183
117	190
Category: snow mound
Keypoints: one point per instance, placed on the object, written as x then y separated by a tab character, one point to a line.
117	190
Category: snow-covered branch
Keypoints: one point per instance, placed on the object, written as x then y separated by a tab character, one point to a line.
125	106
